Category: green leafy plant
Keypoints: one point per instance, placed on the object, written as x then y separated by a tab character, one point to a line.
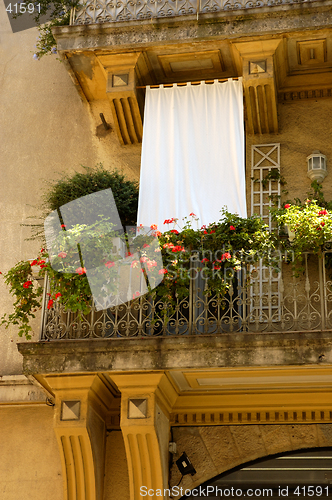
58	14
68	283
309	226
46	43
215	252
27	295
274	175
71	187
317	194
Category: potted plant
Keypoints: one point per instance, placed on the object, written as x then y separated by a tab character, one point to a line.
309	226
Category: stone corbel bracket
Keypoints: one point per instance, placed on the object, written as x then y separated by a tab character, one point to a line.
146	403
261	98
127	107
82	403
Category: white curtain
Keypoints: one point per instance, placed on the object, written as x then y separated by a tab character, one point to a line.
192	153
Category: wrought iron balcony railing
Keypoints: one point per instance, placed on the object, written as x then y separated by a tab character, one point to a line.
263	301
105	11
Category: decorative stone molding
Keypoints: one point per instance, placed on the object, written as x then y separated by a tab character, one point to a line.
304	95
123	11
20	390
297	416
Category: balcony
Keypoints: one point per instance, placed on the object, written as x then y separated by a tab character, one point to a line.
105	11
113	50
260	301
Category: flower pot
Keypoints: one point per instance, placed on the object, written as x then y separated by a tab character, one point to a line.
119	247
35	273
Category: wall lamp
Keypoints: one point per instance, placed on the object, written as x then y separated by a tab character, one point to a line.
316	166
185	466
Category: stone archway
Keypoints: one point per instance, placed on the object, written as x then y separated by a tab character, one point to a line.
216	449
302	473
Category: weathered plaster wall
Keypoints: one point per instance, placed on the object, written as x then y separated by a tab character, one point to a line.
45	129
216	449
30	466
304	126
116	469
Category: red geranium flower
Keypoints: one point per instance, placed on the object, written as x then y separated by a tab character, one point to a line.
287	205
58	295
192	214
226	256
178	248
232	228
322	212
153	226
110	264
62	255
205	260
163	271
81	270
63	225
50	304
322	223
175	231
27	284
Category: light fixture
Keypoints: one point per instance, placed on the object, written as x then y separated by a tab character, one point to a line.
185	466
317	166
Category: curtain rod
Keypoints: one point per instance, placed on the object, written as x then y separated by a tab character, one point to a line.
180	84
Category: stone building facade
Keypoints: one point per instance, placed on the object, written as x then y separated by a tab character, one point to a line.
92	419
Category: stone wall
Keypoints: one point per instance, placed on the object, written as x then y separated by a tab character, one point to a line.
30	466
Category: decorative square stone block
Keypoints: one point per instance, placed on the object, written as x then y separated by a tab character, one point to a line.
70	410
257	67
137	408
120	80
